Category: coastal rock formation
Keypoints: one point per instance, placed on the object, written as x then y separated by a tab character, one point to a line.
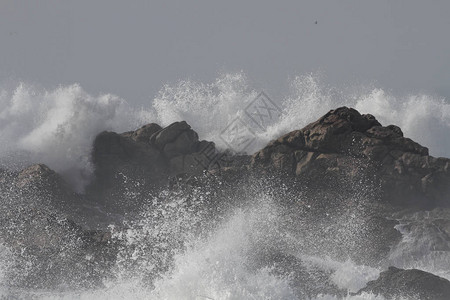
341	184
412	284
151	152
345	144
144	160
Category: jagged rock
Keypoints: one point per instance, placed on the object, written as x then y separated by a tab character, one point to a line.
345	144
412	284
37	174
171	134
114	153
145	160
144	133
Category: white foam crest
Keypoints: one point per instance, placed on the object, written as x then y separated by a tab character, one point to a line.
57	127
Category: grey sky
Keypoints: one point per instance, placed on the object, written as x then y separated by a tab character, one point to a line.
131	48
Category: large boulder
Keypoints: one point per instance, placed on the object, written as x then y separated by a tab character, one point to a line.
412	284
151	151
132	165
346	146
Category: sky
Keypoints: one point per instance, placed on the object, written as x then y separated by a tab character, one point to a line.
132	48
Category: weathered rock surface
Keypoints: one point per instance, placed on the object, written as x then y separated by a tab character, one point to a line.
347	145
144	160
151	151
412	284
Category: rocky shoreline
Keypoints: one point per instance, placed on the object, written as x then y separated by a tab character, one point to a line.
344	164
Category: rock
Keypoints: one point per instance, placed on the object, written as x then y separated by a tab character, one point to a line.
183	144
37	174
144	161
114	153
412	284
169	133
40	182
144	133
345	146
36	213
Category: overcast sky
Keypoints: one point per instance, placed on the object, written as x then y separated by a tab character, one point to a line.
131	48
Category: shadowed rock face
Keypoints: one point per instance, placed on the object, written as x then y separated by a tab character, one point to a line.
345	144
413	284
152	151
148	156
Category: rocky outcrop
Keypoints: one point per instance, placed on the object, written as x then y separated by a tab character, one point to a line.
129	167
412	284
342	153
348	146
151	151
36	213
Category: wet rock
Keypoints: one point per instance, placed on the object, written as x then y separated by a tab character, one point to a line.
347	145
143	161
144	133
412	284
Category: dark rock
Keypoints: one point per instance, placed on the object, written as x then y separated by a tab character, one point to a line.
346	144
183	144
169	134
144	133
412	284
143	161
